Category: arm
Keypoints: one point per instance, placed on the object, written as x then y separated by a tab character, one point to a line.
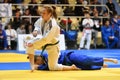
91	23
103	32
38	24
84	22
112	32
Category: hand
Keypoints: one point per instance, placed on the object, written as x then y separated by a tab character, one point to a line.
74	67
5	48
29	44
1	37
87	24
111	37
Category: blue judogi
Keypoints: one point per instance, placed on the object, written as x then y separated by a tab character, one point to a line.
3	41
115	26
81	61
106	33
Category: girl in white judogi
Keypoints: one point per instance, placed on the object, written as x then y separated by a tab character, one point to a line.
87	31
48	27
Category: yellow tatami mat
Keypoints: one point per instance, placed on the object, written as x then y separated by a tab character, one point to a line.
104	74
13	57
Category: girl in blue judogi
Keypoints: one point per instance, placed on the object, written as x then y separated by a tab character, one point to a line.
79	61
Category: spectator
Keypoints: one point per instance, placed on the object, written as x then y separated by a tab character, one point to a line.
5	12
111	7
68	11
33	8
96	8
11	37
69	22
105	14
79	9
17	19
87	31
26	20
3	39
108	35
21	29
29	29
116	28
96	28
115	25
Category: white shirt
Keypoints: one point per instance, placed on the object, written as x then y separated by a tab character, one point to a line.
50	35
89	21
12	33
5	10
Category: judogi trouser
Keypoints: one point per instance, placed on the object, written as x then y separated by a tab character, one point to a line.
53	55
86	35
85	62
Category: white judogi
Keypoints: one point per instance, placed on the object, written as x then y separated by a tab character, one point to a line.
50	35
9	33
5	12
88	24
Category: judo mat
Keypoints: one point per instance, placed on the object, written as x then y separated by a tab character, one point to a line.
14	65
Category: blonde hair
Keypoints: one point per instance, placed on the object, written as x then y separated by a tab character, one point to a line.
52	10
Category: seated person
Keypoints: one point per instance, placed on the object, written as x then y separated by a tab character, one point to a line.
108	35
3	39
78	61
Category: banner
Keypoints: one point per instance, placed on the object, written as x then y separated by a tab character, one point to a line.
23	38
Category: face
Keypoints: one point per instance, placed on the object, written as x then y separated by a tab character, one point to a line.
27	12
95	1
45	15
30	27
23	26
87	15
107	23
9	26
96	14
39	60
115	16
0	31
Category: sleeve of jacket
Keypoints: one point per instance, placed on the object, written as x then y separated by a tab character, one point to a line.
43	67
91	23
38	24
84	22
112	32
103	31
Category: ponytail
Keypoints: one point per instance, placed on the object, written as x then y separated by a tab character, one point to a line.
54	12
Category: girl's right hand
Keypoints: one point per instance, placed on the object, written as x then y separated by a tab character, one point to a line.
74	67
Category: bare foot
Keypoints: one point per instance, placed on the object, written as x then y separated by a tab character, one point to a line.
105	65
114	61
32	68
